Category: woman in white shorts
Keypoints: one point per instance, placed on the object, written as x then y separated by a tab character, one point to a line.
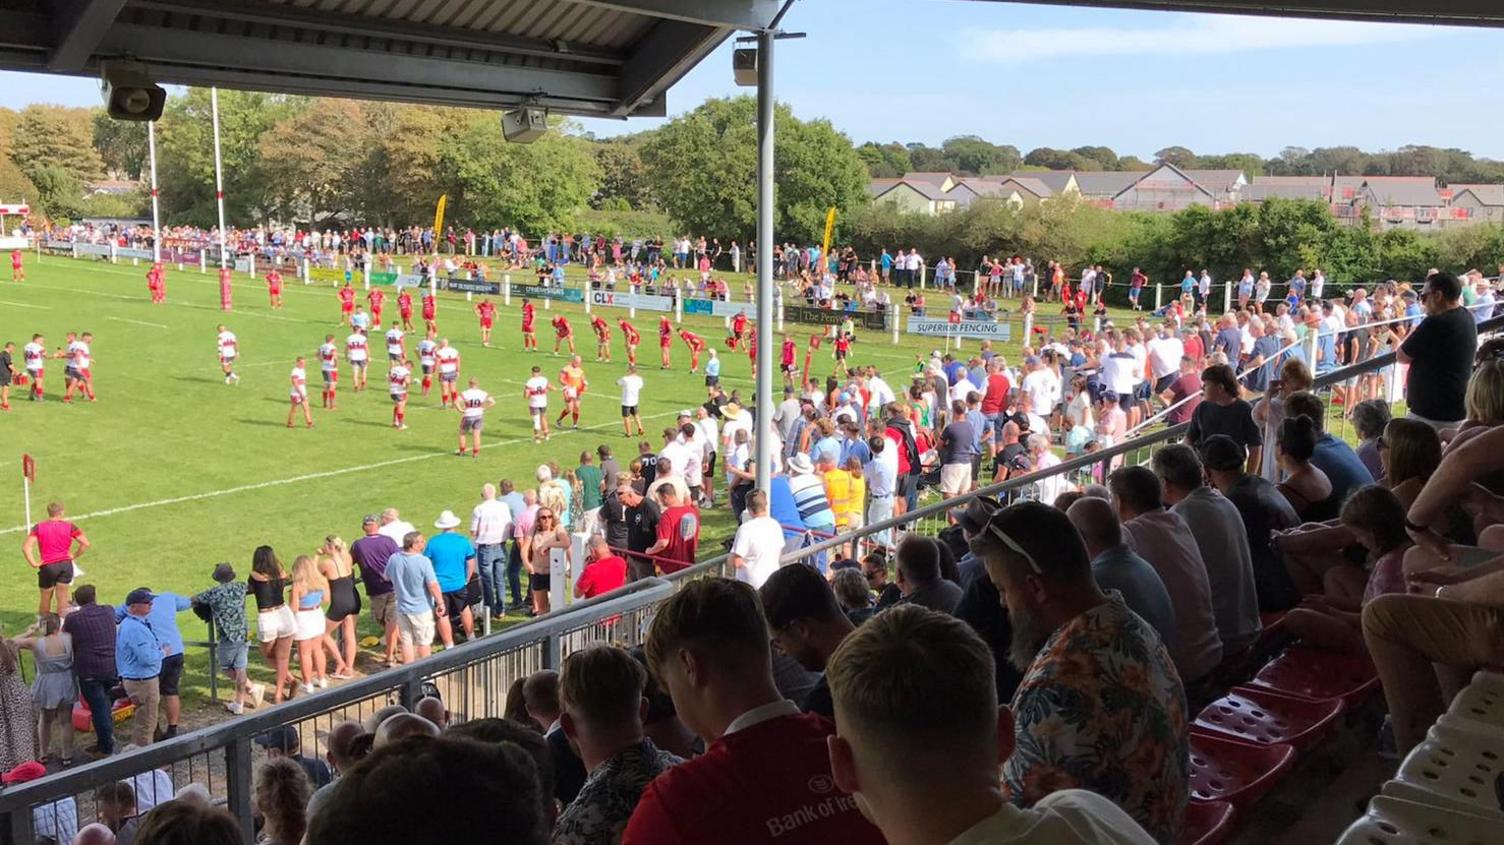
274	620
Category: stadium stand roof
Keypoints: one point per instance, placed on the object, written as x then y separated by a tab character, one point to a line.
605	58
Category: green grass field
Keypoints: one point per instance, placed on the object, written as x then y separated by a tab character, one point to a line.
172	471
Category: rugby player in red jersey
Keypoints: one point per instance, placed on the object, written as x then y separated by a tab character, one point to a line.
529	332
376	299
696	345
274	288
738	329
563	332
329	368
346	303
843	351
788	358
430	313
297	393
665	340
632	338
602	338
448	359
405	309
17	268
397	379
156	283
486	311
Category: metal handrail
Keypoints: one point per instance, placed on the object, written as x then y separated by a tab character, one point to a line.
234	737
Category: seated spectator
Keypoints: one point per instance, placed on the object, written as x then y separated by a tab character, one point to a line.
875	570
853	594
1305	487
94	834
972	520
427	791
660	721
1222	540
1369	419
1377	519
1164	540
373	721
431	707
709	645
400	727
601	689
541	692
116	805
1263	511
604	571
919	576
807	624
281	794
1101	707
1115	567
497	731
923	779
1332	455
283	741
341	756
186	823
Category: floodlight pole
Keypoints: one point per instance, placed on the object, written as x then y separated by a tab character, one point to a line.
219	175
765	373
156	219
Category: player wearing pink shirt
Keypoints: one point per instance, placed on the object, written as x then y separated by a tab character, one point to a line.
297	393
49	550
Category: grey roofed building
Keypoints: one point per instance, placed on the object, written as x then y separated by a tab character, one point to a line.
933	177
1058	181
1106	184
1485	194
1404	192
1288	187
1223	183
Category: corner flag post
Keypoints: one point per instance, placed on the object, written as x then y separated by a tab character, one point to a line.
28	477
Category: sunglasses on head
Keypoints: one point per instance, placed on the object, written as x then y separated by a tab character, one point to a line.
1014	546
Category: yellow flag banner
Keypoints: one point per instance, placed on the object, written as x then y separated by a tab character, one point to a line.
830	227
438	219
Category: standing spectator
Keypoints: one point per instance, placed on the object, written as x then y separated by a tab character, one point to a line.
601	692
49	549
612	523
394	526
919	577
453	559
92	627
138	658
591	479
415	589
370	553
338	568
678	531
548	535
807	624
642	517
55	689
604	572
165	608
1183	393
310	593
1225	412
709	645
808	491
1263	509
226	603
490	526
1076	644
610	469
1440	354
1162	538
957	449
275	624
889	679
1222	540
281	794
758	545
18	735
524	520
1116	567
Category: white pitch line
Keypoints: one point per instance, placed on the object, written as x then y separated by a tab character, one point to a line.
25	305
137	322
313	476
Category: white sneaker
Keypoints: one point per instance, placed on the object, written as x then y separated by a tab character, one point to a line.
307	688
235	708
322	683
258	694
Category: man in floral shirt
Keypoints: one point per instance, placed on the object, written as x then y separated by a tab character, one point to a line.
601	691
1101	706
226	603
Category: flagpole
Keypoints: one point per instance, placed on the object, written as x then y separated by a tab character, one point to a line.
156	220
28	469
219	176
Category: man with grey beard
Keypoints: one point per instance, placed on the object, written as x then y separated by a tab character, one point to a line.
1076	644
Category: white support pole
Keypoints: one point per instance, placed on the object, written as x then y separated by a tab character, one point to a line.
219	177
26	494
307	277
546	301
764	368
1226	296
1159	296
112	252
1028	328
203	261
896	318
587	299
506	289
678	309
366	274
251	265
156	217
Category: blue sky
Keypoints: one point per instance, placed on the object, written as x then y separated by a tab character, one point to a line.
1135	81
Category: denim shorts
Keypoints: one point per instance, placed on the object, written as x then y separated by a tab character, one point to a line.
232	657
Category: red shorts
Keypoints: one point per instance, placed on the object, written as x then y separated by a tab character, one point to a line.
347	307
428	315
527	328
485	324
665	342
407	313
275	290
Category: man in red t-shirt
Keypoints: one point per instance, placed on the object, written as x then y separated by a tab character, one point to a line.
765	775
995	402
605	572
678	531
49	550
1186	389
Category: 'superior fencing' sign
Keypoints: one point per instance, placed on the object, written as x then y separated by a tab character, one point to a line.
473	286
541	292
941	327
873	320
640	301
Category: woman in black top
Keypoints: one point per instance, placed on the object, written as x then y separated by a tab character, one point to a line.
275	624
1222	411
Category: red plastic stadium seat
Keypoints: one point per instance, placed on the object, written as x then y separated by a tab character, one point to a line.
1321	675
1225	769
1272	618
1206	823
1265	717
